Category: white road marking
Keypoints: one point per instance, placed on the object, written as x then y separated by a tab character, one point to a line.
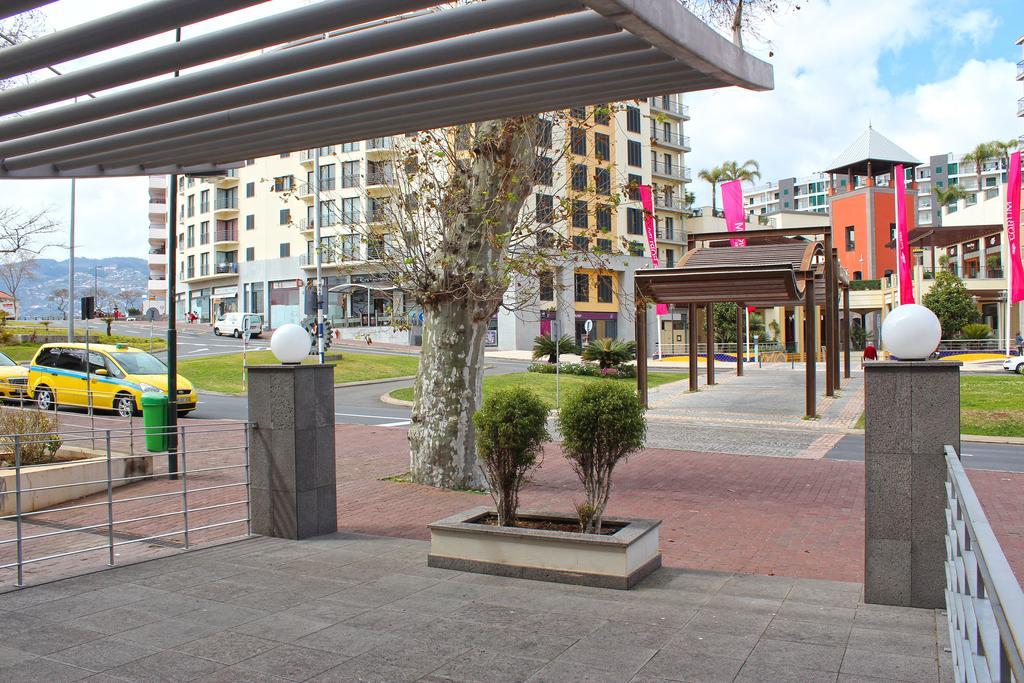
376	417
394	424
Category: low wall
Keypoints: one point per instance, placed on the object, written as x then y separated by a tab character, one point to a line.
91	468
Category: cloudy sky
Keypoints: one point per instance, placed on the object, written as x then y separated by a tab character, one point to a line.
933	75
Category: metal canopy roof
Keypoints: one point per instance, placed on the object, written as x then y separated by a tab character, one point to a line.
377	72
874	147
756	275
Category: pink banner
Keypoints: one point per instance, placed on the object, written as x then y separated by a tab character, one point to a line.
1013	189
647	200
732	203
906	277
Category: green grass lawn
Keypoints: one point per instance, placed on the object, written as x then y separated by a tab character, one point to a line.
544	385
989	405
224	373
19	351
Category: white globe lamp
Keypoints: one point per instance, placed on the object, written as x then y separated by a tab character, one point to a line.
911	332
290	344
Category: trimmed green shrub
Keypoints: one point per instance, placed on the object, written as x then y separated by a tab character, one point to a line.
544	345
39	441
601	425
511	428
584	370
976	331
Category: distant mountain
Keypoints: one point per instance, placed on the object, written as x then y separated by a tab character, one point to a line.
114	274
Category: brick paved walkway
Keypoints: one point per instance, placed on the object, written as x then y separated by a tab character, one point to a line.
348	608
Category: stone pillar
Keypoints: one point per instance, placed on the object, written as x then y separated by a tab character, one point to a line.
291	455
912	410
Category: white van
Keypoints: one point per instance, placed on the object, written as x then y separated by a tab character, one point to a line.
233	324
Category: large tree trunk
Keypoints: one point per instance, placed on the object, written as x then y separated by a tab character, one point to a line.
447	393
471	281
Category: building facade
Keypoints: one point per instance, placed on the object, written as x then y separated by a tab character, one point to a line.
156	289
245	240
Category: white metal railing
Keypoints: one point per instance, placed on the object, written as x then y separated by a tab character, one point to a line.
971	344
125	503
984	601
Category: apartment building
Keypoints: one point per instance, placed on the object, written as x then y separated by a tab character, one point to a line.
245	240
156	289
809	193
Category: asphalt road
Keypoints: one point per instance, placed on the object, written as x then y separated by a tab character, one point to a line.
976	455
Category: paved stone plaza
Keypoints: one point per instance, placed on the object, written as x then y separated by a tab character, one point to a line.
360	608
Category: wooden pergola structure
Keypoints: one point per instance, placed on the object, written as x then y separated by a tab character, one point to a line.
776	268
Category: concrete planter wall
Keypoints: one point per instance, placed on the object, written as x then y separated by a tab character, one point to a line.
92	468
620	560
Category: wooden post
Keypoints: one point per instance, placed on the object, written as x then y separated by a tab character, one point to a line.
810	323
710	322
826	307
741	338
691	331
846	329
834	303
641	349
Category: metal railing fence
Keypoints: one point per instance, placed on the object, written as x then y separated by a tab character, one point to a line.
109	496
984	601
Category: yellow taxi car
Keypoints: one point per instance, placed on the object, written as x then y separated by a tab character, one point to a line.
13	378
118	375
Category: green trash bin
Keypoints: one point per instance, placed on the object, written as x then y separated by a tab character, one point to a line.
154	418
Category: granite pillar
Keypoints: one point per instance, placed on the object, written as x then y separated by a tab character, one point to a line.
912	410
292	469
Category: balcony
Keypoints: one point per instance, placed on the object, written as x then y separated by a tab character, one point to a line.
381	146
1020	107
307	157
157	258
229	179
669	106
157	284
380	181
225	236
672	171
667	202
212	271
1020	70
670	139
157	234
226	204
157	212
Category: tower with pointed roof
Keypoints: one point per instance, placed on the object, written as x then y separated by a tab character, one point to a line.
864	210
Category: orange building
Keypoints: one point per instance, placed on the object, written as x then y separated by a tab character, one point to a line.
864	209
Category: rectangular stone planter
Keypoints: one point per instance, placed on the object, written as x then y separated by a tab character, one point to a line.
70	477
619	560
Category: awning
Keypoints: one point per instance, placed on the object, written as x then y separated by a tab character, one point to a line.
376	72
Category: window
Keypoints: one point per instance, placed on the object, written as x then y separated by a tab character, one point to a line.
191	235
851	238
250	253
636	249
204	263
634	153
284	183
545	208
578	113
204	201
785	191
545	171
604	289
602	115
634	221
547	286
544	132
578	138
191	266
580	243
250	222
670	228
285	216
579	214
328	213
633	191
785	205
349	147
350	174
670	258
204	232
191	204
633	119
349	211
604	246
284	249
604	218
603	181
285	155
857	275
602	147
327	177
582	287
181	183
892	231
181	240
938	170
579	177
250	189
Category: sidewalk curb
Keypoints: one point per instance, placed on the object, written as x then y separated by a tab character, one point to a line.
979	438
386	398
365	382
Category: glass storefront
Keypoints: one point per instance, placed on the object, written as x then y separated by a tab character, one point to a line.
200	304
285	305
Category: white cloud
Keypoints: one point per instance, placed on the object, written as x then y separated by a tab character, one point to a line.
828	88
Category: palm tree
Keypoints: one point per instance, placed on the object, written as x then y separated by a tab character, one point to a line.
749	171
983	152
713	176
1003	149
948	195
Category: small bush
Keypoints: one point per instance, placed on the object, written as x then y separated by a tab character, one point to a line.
601	425
609	352
41	444
511	429
544	345
976	331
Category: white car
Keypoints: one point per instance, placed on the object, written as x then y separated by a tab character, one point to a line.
1014	364
234	324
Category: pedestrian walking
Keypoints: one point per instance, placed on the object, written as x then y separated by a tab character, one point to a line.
870	353
1019	343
